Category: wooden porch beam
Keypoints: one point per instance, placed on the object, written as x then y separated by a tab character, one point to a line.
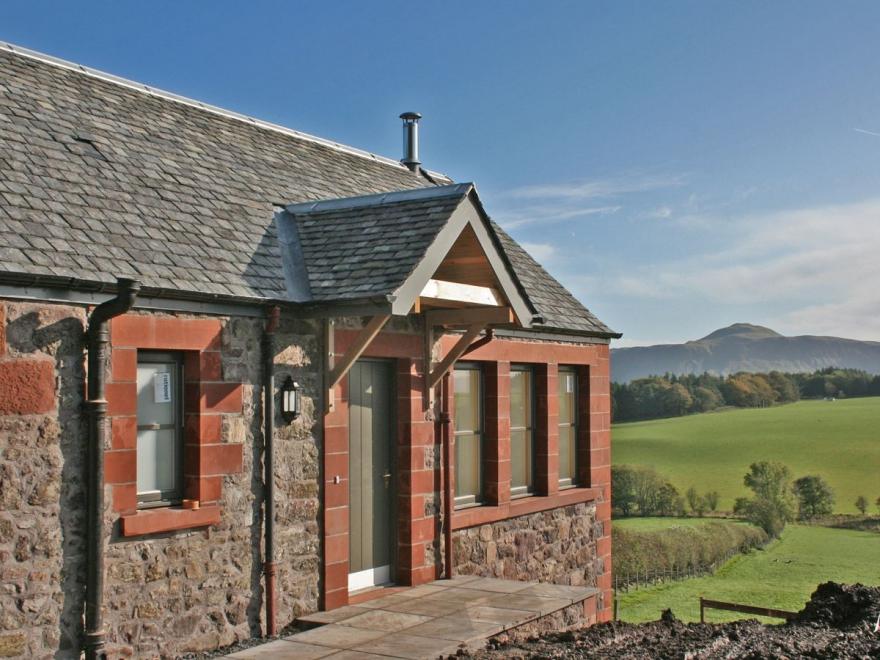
455	352
440	290
361	343
469	316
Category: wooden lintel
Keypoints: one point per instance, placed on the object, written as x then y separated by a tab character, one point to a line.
455	352
360	344
462	293
469	316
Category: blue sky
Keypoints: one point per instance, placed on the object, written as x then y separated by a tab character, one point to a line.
679	166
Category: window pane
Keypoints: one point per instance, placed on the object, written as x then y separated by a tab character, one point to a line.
156	398
156	461
566	397
159	473
467	466
566	452
521	460
520	399
466	383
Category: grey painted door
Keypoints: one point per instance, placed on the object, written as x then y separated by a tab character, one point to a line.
371	482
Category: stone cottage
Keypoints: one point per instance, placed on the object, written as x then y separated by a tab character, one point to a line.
246	372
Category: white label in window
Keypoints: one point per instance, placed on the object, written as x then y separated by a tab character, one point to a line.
162	387
569	385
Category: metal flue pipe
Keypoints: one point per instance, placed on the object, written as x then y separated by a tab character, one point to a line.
98	341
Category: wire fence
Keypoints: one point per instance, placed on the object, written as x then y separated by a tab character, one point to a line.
649	578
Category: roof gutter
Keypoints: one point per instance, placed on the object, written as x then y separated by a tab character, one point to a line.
98	337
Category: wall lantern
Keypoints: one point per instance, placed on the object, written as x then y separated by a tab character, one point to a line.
291	400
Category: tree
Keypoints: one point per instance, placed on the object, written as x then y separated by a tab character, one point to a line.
692	498
878	504
773	504
815	497
862	504
622	489
712	498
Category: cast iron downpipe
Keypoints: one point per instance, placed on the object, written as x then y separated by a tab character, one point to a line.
96	406
273	316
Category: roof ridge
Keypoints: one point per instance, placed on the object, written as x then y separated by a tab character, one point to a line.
377	199
207	107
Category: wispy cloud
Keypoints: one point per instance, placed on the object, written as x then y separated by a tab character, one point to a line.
866	132
566	201
598	188
549	213
817	266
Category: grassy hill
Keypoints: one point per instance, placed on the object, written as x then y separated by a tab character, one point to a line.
782	576
839	440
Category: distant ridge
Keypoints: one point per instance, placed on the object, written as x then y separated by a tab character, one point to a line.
744	347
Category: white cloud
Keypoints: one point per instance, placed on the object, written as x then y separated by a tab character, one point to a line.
866	132
542	252
818	266
598	188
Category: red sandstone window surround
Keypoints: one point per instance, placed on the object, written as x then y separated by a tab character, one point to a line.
522	405
207	399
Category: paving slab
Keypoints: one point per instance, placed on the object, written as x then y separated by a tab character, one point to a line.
284	650
561	591
333	616
385	601
456	629
495	585
337	636
431	608
385	620
535	604
407	645
503	615
461	595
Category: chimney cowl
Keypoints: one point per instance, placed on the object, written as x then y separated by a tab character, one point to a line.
411	140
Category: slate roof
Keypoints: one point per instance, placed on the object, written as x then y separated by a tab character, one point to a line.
102	177
368	249
559	308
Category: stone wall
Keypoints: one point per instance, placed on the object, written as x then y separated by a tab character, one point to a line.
557	546
168	593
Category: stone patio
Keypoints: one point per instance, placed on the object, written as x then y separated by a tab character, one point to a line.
423	622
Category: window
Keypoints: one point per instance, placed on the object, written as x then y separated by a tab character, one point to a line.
468	388
567	426
159	429
522	432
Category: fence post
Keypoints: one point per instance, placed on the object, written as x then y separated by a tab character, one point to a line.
702	611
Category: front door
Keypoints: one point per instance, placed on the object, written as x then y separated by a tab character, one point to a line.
371	425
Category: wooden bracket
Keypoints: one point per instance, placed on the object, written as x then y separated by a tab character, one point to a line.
455	352
338	370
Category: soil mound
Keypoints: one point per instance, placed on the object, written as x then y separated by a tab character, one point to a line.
841	606
838	622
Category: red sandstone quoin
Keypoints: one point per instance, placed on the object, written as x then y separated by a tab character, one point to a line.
438	403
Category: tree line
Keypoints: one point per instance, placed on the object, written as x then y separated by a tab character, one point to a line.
776	497
672	395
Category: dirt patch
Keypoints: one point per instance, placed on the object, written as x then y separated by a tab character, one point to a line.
838	622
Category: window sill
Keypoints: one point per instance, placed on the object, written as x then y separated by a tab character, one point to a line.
168	519
481	515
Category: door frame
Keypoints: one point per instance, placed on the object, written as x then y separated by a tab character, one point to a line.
389	575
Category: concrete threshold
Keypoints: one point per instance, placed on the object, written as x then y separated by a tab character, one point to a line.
423	622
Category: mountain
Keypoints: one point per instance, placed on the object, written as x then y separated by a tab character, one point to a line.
744	347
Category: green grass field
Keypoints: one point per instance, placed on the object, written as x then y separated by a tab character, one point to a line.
839	440
656	524
783	576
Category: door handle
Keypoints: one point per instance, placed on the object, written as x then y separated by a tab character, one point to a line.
387	478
